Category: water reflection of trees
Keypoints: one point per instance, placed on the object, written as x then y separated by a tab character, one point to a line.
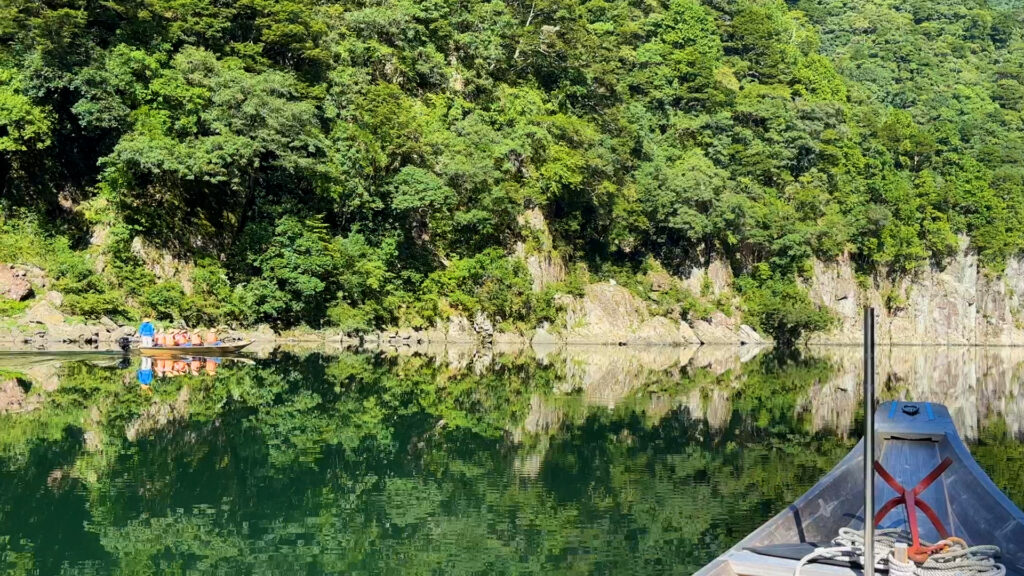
600	459
378	464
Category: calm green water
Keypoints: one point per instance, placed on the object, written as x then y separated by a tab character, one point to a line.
606	461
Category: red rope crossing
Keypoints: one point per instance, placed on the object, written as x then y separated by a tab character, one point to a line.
909	499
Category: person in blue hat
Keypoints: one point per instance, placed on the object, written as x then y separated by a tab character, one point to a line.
146	332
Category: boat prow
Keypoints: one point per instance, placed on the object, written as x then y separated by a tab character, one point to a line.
214	350
911	439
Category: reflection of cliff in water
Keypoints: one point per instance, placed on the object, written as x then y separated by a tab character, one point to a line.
729	388
716	384
977	384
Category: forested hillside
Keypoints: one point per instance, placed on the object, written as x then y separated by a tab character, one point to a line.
361	164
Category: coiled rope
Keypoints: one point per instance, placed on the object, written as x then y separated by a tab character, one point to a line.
958	559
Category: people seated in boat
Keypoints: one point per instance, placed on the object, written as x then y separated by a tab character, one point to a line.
185	338
147	331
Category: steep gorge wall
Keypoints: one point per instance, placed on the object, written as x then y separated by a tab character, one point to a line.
606	313
960	304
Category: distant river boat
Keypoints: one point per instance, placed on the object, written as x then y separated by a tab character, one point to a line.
214	350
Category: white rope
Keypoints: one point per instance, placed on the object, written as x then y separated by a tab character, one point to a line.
957	560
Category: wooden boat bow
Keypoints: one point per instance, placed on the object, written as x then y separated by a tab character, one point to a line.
911	440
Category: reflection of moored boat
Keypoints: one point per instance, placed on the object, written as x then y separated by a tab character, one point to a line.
216	350
912	440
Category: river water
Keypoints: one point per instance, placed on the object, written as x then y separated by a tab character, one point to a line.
591	460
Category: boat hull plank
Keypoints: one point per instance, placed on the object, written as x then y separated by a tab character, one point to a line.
983	514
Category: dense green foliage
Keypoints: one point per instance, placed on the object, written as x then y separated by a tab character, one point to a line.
344	162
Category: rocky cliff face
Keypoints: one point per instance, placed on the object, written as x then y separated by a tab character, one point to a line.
960	304
611	314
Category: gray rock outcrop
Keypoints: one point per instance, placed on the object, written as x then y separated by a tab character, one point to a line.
44	313
719	329
958	304
610	314
543	263
460	329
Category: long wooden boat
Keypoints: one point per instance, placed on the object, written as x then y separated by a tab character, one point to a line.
216	350
911	440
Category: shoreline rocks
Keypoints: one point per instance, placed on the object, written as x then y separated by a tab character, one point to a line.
606	314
